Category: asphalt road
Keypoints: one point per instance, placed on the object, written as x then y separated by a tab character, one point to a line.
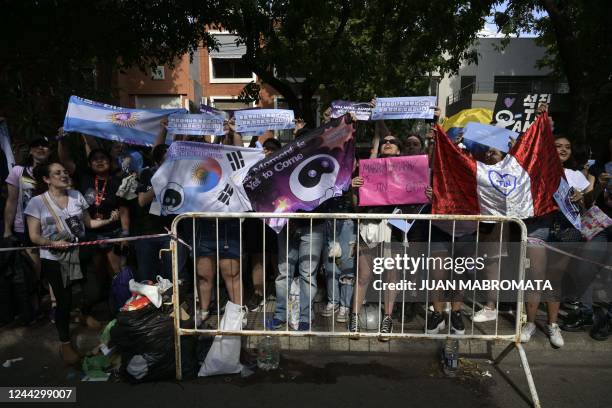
311	379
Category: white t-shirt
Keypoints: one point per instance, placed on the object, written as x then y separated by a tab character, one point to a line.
576	179
22	179
71	217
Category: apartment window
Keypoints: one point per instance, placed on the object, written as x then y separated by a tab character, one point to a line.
524	84
225	62
158	101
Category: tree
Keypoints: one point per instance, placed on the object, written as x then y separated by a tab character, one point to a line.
577	36
54	48
352	49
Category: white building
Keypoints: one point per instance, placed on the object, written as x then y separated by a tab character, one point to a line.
511	69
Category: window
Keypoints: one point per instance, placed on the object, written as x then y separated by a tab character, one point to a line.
226	65
524	84
229	104
229	69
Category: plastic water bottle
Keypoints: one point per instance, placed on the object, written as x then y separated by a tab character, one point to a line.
268	353
450	354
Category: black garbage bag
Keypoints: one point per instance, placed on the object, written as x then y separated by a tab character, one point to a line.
145	338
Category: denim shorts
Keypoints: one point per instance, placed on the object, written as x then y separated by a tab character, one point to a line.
464	245
538	228
229	238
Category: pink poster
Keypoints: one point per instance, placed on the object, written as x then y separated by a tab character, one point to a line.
394	180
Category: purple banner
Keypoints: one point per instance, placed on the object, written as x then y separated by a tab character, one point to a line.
304	173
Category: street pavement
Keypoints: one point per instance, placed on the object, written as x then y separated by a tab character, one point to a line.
411	378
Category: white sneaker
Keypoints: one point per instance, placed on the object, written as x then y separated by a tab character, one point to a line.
554	335
342	315
527	331
484	315
329	309
201	316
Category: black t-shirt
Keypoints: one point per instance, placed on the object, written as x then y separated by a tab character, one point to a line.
595	170
101	195
150	223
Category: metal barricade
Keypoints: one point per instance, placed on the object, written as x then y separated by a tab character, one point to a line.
191	227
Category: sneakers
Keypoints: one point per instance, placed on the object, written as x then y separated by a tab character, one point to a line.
342	315
554	335
457	322
303	326
435	323
527	331
353	325
484	315
329	309
201	316
386	327
577	322
254	302
275	324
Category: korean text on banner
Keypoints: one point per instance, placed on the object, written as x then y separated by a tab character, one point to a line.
195	124
394	180
362	110
408	107
257	120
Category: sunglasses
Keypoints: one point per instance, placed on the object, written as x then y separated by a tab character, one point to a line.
391	141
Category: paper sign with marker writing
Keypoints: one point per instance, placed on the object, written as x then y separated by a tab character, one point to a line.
394	180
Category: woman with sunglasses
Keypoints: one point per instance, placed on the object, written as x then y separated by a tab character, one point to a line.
375	238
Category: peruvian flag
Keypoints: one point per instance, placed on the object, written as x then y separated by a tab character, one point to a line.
521	185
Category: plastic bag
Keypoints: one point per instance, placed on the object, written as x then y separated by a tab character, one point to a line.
224	355
294	304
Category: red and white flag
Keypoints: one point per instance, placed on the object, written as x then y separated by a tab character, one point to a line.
521	185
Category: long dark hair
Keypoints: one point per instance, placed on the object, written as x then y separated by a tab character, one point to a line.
571	163
40	172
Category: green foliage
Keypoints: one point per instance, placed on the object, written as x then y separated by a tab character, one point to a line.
353	49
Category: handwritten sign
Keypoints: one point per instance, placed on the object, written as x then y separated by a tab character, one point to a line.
394	180
517	112
362	110
407	107
257	120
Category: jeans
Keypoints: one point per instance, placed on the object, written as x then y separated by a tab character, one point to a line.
304	251
340	271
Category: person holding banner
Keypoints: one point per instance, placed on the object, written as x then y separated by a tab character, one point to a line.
57	217
226	249
375	237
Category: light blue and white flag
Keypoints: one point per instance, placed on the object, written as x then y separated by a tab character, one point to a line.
259	120
133	126
487	135
196	124
407	107
203	177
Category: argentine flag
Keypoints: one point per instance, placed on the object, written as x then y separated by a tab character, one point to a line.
133	126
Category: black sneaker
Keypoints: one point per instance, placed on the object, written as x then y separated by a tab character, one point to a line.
435	323
254	302
386	327
353	324
576	322
457	322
